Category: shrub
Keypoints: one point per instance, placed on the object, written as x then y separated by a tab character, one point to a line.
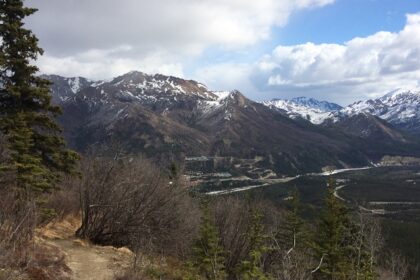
130	202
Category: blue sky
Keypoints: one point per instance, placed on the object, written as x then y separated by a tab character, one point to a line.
338	50
346	19
336	23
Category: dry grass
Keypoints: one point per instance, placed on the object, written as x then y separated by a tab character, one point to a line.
64	228
159	268
48	263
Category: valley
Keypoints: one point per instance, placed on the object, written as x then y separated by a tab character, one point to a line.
230	146
209	140
391	193
223	182
397	192
169	118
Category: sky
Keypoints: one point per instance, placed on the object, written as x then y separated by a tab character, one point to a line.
335	50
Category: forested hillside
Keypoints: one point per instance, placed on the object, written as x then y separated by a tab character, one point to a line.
122	206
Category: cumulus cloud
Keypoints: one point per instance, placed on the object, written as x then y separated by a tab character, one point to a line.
102	64
227	76
101	38
368	66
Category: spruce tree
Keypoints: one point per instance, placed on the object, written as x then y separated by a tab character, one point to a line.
252	267
27	117
208	252
293	233
290	250
333	244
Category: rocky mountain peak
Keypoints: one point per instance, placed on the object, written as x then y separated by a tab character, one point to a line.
158	114
366	125
66	88
307	108
400	107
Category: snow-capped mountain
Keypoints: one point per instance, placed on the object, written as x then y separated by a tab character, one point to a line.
67	87
400	108
303	107
143	86
166	116
131	86
149	111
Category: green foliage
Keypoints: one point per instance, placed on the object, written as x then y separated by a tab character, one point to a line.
38	152
252	267
208	252
293	232
290	254
333	243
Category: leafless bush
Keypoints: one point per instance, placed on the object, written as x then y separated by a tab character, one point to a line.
66	200
395	267
294	266
130	202
47	263
233	216
368	238
17	225
290	256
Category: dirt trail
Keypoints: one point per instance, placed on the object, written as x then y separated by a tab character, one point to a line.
86	261
89	262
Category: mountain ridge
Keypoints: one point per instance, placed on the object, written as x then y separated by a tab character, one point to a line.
303	107
400	107
166	116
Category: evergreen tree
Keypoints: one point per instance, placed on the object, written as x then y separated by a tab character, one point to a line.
290	253
208	252
333	244
293	233
38	152
252	268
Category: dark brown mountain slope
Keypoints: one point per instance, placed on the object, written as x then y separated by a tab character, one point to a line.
159	115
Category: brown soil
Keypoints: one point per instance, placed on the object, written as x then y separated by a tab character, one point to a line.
86	261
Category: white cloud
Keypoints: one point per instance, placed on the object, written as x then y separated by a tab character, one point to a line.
104	64
226	76
89	33
368	66
102	40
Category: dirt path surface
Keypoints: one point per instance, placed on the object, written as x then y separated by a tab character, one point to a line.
89	262
86	261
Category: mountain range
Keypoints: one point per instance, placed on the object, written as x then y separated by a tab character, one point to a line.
400	108
169	117
303	107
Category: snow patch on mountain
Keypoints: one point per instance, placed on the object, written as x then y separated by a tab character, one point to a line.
208	106
303	107
161	85
74	84
399	107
